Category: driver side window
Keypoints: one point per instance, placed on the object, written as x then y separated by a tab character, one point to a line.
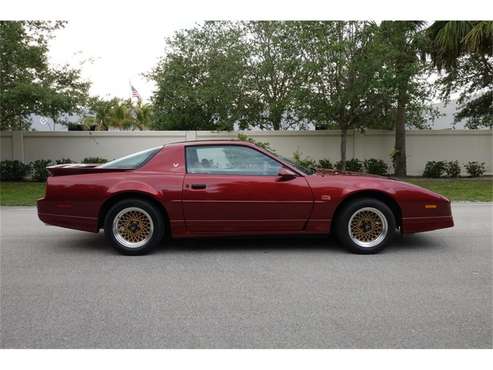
230	160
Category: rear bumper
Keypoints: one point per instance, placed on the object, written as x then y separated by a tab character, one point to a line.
50	216
418	224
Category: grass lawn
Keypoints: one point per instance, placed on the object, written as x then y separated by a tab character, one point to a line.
477	189
21	193
26	193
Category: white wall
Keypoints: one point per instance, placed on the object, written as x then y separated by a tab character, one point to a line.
422	145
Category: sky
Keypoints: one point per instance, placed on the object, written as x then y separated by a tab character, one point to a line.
112	53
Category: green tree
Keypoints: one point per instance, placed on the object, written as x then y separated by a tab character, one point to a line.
406	83
340	76
274	73
100	114
103	114
28	84
200	83
462	51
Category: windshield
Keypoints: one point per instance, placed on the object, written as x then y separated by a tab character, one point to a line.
132	161
305	170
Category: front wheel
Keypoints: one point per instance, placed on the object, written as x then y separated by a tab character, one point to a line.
134	226
365	226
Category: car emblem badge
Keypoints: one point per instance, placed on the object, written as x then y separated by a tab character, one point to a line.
325	197
175	164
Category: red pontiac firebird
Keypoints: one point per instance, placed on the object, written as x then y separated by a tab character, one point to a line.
232	188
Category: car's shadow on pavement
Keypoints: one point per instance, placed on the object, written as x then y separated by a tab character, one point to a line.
97	243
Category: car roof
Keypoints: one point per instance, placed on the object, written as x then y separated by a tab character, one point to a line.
211	142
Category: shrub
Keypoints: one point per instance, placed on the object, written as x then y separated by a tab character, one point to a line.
306	162
13	170
89	160
376	166
452	168
475	169
63	161
434	169
39	171
351	165
325	164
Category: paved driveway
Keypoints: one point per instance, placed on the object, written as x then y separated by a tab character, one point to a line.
63	288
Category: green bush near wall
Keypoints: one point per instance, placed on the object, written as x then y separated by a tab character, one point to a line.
13	170
39	170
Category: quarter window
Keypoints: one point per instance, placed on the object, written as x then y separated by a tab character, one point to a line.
132	161
230	160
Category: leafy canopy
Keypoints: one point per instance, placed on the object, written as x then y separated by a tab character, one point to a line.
462	51
28	84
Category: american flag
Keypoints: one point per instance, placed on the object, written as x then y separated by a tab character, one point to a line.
135	93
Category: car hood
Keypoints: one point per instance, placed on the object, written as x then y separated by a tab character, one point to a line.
348	181
325	173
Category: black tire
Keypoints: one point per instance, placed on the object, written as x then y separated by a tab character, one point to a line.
353	244
153	238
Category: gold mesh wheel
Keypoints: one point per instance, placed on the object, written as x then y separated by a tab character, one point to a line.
368	227
133	227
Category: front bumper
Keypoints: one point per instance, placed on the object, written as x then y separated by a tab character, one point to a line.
419	224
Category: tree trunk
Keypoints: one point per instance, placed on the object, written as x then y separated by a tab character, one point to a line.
343	148
276	119
400	167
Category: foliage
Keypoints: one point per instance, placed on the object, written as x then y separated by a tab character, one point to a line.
434	169
306	162
200	84
340	72
462	52
93	160
63	161
453	39
263	145
28	84
325	164
39	171
353	164
13	170
376	166
405	83
104	114
475	169
274	73
452	168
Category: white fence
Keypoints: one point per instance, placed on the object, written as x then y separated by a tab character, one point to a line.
422	145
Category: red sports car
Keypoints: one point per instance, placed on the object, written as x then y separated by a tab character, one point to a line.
232	188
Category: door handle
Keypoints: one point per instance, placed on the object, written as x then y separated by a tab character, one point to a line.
199	186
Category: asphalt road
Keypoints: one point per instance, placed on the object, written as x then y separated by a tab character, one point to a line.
68	289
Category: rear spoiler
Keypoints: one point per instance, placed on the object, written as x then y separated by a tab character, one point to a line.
78	169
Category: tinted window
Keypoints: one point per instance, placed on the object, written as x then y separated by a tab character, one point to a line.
133	160
230	160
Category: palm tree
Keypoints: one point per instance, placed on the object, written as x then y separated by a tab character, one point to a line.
464	51
101	114
452	39
143	115
122	114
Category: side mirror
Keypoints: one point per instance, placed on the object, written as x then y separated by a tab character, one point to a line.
286	174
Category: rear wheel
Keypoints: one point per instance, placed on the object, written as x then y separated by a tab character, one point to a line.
365	226
134	226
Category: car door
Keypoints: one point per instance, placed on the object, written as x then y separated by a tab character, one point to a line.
235	188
